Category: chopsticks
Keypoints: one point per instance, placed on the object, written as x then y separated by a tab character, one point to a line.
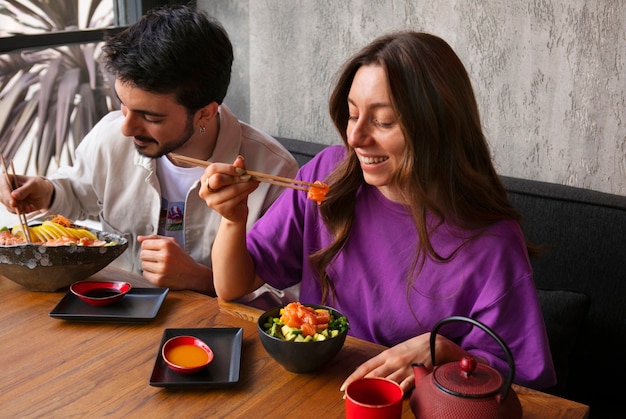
260	177
12	181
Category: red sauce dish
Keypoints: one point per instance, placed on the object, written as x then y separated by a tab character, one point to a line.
186	354
100	293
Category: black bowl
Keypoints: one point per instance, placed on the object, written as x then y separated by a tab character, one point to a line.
50	268
300	357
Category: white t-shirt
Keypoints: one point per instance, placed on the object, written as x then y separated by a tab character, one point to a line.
175	185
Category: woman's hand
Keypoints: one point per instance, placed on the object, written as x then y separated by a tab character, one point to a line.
396	363
225	189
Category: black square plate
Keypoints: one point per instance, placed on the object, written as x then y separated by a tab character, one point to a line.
140	305
225	342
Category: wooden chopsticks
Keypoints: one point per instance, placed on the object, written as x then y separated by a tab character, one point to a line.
12	181
260	177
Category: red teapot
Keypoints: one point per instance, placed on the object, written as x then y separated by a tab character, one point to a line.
464	389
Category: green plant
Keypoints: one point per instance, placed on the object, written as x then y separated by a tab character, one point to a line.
52	96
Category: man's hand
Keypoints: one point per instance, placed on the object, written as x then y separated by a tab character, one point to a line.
166	264
31	194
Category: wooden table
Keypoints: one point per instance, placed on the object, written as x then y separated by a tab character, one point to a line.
56	368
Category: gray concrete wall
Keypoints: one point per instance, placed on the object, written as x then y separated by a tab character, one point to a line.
548	74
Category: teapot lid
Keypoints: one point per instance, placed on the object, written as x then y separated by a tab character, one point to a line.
467	378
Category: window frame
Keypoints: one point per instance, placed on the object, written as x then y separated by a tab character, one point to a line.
41	41
126	13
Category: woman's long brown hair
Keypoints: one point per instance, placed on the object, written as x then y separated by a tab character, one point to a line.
447	168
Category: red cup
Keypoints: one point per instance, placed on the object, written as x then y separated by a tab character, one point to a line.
373	398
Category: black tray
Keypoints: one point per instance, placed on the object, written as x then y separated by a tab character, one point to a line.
140	305
225	342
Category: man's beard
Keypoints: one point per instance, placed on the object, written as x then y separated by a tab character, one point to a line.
184	137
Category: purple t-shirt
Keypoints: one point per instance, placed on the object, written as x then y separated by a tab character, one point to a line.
488	279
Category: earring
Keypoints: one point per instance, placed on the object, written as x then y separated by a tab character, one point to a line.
202	130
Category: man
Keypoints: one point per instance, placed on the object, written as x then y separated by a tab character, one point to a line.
172	70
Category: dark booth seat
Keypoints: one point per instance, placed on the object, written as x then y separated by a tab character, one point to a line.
581	282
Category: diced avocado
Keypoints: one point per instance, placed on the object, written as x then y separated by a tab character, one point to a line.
286	330
275	331
290	333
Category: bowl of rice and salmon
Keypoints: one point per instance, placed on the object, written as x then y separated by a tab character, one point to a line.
60	253
302	337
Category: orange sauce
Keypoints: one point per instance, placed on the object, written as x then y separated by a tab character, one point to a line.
187	356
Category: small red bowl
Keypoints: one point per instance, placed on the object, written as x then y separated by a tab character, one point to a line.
100	293
186	354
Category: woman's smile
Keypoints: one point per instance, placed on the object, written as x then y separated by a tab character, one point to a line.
369	160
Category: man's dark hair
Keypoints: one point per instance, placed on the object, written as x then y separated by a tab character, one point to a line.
174	50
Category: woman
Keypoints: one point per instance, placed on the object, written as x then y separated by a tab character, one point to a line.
416	225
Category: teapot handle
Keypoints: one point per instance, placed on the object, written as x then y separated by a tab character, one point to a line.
509	356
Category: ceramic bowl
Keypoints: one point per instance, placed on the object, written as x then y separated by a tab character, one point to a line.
100	293
300	357
186	354
50	268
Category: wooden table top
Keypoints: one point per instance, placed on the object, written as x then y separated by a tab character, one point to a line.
58	368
